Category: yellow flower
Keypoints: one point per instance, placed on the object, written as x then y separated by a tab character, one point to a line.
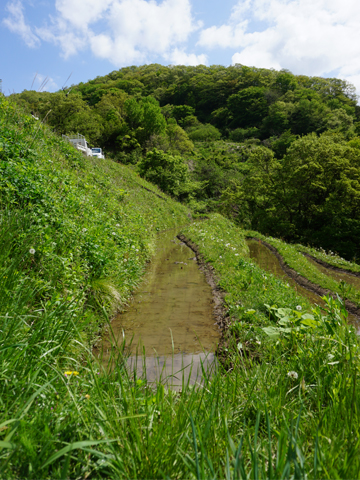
71	373
87	396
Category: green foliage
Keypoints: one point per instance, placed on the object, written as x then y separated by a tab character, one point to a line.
88	226
248	107
168	172
241	134
77	232
136	109
312	195
203	133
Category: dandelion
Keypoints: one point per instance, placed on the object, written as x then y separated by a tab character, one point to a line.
69	372
298	308
87	396
32	251
292	374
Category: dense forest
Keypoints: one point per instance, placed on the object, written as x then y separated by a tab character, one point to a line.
275	152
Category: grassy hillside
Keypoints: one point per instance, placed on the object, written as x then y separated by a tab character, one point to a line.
275	152
92	223
75	235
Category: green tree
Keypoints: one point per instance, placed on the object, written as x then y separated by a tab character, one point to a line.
248	107
169	172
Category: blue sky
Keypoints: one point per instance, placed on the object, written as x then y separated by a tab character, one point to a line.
47	40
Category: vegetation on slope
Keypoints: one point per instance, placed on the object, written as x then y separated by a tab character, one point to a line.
293	373
276	152
93	222
76	234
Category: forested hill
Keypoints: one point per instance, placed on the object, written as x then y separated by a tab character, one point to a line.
274	151
261	102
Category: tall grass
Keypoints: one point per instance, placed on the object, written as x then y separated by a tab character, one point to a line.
64	415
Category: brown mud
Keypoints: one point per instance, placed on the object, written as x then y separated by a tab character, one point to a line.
307	284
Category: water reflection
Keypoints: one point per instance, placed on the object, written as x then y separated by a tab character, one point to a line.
176	370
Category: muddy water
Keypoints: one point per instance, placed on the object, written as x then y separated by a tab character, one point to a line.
267	261
338	276
170	318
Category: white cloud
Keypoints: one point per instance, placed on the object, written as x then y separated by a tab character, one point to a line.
180	57
15	22
62	34
80	13
121	31
140	28
312	37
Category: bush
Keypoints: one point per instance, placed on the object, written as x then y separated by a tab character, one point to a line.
240	134
204	133
169	172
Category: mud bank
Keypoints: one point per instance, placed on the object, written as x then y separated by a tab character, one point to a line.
304	282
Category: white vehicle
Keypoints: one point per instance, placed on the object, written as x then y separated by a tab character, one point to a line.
97	152
79	142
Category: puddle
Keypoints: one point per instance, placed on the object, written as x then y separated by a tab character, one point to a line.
170	318
267	261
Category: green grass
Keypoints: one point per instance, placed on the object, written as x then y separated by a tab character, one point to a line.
64	416
293	258
272	332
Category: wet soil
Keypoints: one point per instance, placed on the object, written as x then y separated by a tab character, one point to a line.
273	262
170	319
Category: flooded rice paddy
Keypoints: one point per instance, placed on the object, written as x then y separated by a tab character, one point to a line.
337	275
169	327
268	261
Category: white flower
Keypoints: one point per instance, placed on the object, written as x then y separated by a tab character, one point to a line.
117	225
292	374
298	307
125	259
32	251
236	254
84	230
113	233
